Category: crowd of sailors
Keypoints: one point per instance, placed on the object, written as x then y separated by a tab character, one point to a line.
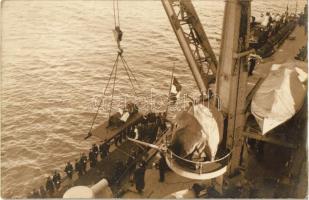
268	24
53	182
150	121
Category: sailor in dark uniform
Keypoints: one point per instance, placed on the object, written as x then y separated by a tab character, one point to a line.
139	177
104	149
49	186
92	158
83	162
69	170
95	150
78	168
57	179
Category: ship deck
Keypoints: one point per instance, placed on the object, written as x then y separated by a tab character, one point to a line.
261	175
264	178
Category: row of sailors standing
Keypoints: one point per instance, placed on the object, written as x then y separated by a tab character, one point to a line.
53	183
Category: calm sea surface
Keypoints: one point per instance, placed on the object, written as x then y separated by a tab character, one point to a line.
56	59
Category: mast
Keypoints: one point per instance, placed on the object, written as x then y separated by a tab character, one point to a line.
232	73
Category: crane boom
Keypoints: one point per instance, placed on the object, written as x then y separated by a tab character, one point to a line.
193	41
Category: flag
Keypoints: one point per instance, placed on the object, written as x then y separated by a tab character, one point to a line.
175	91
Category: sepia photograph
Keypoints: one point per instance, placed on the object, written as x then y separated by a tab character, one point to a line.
154	99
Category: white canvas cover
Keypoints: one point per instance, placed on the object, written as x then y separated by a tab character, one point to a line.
280	96
198	128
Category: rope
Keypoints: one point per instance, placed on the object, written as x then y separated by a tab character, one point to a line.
122	59
118	13
169	92
100	104
131	71
113	91
116	9
114	13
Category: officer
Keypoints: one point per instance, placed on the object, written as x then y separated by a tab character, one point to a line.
69	170
78	168
139	177
49	186
95	150
57	179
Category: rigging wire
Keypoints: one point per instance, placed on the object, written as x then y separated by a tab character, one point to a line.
113	91
169	92
125	62
118	13
101	100
122	59
116	10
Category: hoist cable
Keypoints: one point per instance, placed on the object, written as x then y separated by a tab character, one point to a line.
114	13
122	59
100	104
118	13
113	91
110	75
131	72
116	10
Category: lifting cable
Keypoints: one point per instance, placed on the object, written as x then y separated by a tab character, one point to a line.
101	100
129	72
116	10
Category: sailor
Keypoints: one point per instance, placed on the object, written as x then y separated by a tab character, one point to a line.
277	18
252	22
162	167
95	150
49	186
57	179
78	168
136	132
266	20
252	61
92	158
139	177
104	149
69	170
83	162
260	19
